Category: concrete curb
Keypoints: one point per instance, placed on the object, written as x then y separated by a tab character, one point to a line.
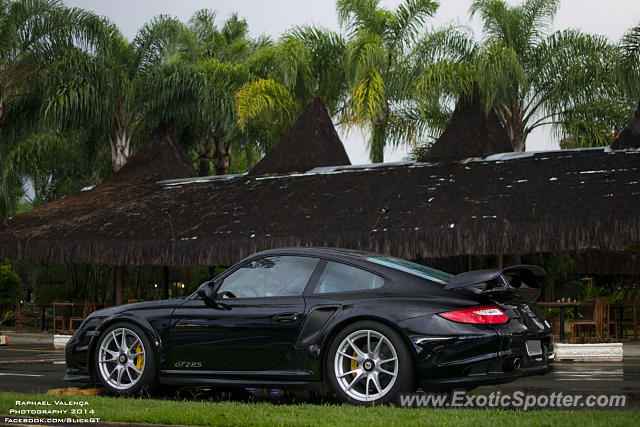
60	341
31	361
602	352
29	338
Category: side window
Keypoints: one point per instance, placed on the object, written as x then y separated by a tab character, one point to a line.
270	277
345	278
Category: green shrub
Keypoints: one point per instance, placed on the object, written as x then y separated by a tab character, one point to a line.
10	290
50	292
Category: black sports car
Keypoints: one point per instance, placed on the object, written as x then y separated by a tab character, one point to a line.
362	325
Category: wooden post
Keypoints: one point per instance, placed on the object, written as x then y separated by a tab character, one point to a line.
120	272
499	260
165	282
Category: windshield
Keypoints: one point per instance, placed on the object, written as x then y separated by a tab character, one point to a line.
413	268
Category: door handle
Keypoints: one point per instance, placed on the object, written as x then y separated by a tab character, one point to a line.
286	317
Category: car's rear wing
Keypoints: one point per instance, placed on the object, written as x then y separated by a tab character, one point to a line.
518	283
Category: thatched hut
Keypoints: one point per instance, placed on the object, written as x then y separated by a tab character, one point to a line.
630	136
472	132
565	200
312	142
513	203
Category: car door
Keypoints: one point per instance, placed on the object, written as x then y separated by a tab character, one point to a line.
258	319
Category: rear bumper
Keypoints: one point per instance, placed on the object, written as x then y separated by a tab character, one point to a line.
467	355
472	381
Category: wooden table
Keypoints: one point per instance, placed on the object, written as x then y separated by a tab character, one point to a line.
562	306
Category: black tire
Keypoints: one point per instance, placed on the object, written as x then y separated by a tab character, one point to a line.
405	380
136	338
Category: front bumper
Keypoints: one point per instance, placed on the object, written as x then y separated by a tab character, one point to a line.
78	355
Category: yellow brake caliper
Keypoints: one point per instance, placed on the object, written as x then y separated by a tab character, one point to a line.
354	364
140	358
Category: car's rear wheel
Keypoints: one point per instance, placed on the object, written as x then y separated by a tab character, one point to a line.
368	363
124	360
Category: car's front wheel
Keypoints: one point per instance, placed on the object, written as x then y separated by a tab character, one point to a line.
124	359
368	363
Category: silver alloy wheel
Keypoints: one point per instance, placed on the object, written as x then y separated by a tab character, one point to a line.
366	365
121	358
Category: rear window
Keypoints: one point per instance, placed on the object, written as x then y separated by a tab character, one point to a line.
345	278
413	268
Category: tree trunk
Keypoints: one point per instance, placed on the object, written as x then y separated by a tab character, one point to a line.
204	155
376	149
221	153
120	150
517	131
3	109
120	272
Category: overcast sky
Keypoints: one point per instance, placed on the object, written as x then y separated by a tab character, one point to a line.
273	17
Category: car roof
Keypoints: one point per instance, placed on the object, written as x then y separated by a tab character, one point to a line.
319	251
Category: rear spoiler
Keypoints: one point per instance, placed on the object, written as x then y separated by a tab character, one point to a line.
515	283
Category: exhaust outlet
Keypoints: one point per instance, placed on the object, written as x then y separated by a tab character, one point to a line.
515	363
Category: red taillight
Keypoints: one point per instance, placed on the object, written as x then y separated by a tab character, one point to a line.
485	315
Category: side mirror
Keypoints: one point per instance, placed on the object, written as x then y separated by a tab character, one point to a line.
207	293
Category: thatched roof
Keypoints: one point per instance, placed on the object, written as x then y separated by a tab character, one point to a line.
630	136
162	156
312	142
514	203
471	133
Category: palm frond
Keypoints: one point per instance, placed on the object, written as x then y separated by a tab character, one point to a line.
328	58
538	18
411	15
452	43
264	99
368	97
628	70
367	51
153	40
500	75
354	15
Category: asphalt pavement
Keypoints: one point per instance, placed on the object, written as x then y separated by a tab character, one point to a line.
38	368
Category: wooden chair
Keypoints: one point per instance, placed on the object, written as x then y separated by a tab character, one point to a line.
81	312
599	320
61	313
24	316
626	321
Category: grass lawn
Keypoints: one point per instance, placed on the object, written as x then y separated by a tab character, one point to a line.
229	413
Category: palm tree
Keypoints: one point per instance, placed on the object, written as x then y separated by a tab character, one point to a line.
33	35
200	97
306	62
628	74
529	77
380	79
629	65
212	60
108	89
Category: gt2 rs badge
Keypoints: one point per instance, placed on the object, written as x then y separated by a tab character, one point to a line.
188	365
